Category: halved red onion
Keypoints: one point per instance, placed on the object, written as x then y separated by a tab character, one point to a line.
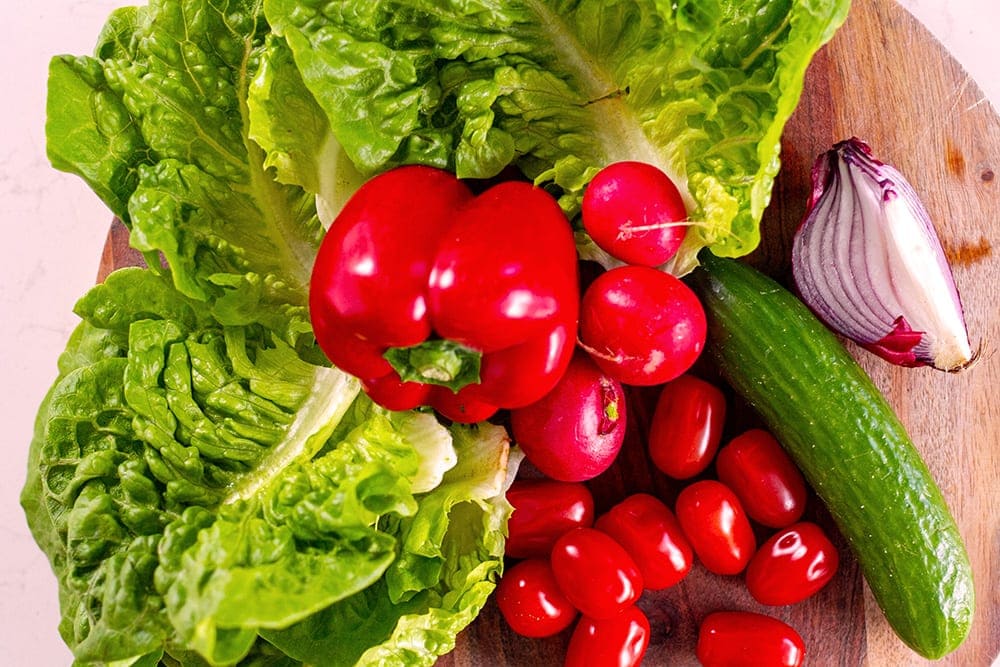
868	262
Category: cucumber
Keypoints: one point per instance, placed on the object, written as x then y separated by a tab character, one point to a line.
851	447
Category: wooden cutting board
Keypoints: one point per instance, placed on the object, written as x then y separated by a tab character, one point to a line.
886	80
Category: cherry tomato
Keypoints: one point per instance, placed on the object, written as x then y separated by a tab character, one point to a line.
716	526
686	427
650	533
576	430
746	639
792	565
633	211
531	602
619	641
543	511
642	326
595	572
763	476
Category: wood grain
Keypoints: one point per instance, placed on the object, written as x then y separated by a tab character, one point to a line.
887	81
883	79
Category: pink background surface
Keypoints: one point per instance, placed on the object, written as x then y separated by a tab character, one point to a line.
54	230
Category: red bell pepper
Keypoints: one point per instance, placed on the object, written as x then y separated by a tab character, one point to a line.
433	295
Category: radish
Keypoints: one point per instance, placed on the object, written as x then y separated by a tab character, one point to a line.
642	326
635	213
575	431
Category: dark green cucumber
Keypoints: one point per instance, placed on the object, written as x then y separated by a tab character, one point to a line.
851	447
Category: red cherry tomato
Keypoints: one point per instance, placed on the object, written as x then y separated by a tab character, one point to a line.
619	641
686	428
746	639
531	602
763	476
792	565
543	511
633	211
716	525
650	533
595	572
642	326
576	430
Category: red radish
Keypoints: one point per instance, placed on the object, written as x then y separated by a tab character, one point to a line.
575	431
642	326
635	213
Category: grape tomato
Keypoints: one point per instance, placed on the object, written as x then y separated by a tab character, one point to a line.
531	602
619	641
794	564
686	426
715	524
766	480
651	534
543	511
596	573
747	639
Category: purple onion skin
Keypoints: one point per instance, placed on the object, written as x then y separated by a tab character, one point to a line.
861	259
897	346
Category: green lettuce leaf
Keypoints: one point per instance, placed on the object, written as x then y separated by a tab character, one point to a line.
450	554
294	132
157	411
564	87
198	485
157	123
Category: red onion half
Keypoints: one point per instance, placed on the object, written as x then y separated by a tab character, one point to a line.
868	262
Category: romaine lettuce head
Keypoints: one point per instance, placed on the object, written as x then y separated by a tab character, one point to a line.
700	88
201	490
157	123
